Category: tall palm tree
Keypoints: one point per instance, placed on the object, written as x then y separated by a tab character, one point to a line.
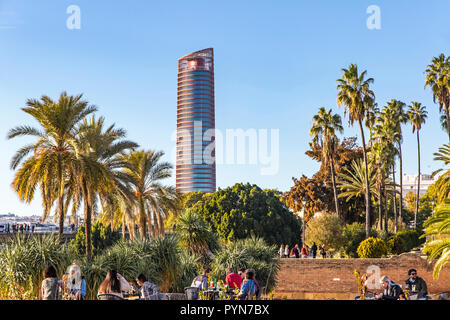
355	94
398	118
97	172
438	78
52	154
154	200
417	116
371	119
443	182
323	132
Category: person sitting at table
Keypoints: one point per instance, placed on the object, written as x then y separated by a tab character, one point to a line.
248	288
416	285
201	281
391	290
147	288
241	272
233	280
114	284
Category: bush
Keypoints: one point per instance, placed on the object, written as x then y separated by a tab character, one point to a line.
372	248
325	229
396	245
102	237
411	238
251	253
352	235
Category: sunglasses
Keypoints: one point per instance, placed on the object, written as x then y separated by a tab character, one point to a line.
413	274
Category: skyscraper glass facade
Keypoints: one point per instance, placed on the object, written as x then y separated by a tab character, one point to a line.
195	167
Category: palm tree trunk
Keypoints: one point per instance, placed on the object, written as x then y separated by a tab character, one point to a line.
366	176
401	183
394	200
61	216
418	182
123	226
87	222
385	207
380	208
142	218
333	180
161	224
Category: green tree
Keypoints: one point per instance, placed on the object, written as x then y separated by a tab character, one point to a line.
154	200
245	210
323	132
355	94
417	116
102	238
52	155
438	79
325	229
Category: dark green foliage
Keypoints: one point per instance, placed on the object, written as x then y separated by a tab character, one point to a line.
353	234
102	237
246	210
396	244
252	253
412	238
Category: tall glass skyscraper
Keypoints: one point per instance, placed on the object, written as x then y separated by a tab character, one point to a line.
195	162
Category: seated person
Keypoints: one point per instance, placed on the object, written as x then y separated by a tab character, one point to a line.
233	280
147	288
416	285
391	290
201	281
248	287
114	284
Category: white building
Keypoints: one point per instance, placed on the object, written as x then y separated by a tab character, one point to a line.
410	183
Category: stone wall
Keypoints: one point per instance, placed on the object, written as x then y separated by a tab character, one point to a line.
334	278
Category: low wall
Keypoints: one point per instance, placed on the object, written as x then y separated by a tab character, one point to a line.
334	278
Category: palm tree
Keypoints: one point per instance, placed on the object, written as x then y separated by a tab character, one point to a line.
371	119
417	116
437	232
52	154
154	200
352	181
398	118
438	78
355	94
323	132
97	172
442	184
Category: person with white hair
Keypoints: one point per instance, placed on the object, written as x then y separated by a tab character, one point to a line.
391	290
76	283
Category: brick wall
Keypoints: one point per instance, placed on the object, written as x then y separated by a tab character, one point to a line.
334	278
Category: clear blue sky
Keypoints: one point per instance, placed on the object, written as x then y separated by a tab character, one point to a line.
276	63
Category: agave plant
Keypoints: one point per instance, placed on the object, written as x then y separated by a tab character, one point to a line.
438	233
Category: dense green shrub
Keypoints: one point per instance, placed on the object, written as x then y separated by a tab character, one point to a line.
251	253
325	229
352	235
244	210
396	244
372	248
412	238
102	237
23	261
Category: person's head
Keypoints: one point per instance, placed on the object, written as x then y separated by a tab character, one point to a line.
385	282
412	273
229	271
50	272
287	246
111	282
141	279
249	274
206	271
242	273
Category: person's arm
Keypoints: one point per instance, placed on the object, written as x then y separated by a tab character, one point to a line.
124	285
423	292
396	291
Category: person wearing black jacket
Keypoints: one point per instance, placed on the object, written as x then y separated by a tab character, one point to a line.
391	290
416	285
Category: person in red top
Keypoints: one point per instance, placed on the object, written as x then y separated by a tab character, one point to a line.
233	280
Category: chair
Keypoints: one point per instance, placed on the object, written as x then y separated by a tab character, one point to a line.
108	296
191	293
